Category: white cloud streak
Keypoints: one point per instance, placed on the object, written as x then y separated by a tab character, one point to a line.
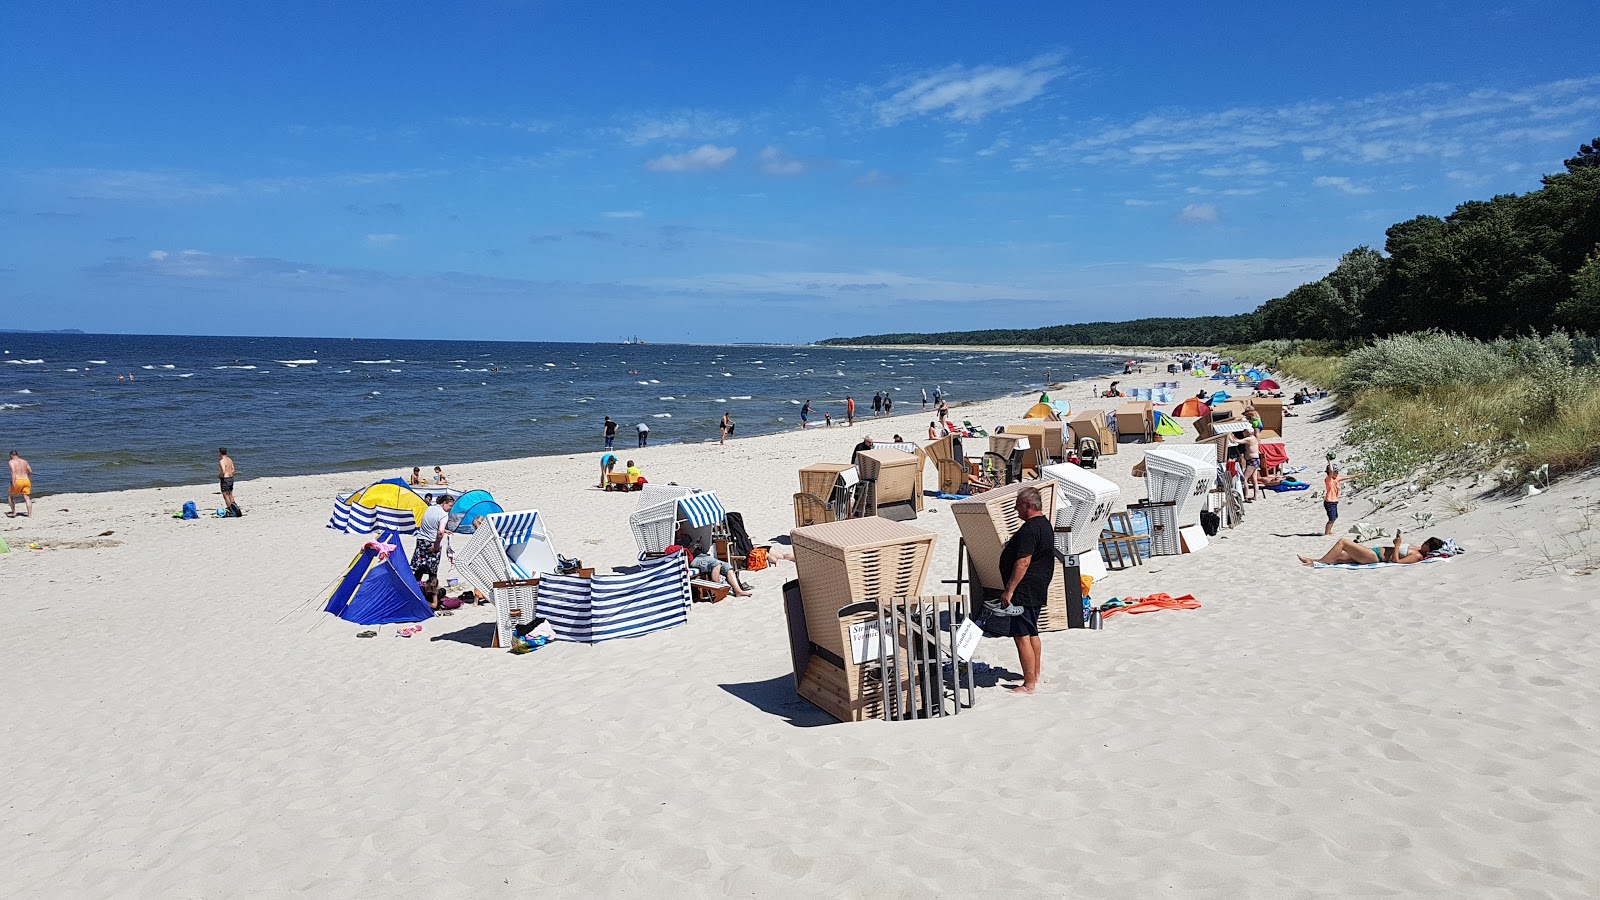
705	158
962	94
1340	183
680	126
1430	123
1198	214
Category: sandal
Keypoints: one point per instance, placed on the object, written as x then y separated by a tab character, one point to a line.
365	634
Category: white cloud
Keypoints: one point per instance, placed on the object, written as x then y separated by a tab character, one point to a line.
1196	213
683	125
158	255
964	94
873	178
382	240
1427	123
1341	183
624	214
775	162
705	158
1254	167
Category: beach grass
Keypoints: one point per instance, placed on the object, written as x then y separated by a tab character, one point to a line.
1435	403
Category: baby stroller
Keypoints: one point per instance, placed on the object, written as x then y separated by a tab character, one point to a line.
1088	452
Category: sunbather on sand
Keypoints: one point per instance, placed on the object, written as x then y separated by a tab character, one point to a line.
1347	551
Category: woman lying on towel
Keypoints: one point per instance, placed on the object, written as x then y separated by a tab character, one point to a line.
1348	552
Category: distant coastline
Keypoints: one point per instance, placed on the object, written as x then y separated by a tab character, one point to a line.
42	331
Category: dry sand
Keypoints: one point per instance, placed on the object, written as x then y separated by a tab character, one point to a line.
182	721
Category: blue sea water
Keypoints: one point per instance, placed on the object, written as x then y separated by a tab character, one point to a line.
286	406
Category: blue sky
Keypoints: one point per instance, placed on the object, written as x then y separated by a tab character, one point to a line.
743	172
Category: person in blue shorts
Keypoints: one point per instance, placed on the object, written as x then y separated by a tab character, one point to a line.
608	462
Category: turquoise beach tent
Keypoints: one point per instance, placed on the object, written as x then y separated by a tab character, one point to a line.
379	589
469	508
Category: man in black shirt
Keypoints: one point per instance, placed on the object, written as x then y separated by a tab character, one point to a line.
1026	565
866	444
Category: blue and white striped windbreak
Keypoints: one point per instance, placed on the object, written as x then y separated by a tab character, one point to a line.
357	519
607	607
702	509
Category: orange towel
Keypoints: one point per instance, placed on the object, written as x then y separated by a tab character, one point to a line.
1155	602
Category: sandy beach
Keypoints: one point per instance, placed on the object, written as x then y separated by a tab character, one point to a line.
182	720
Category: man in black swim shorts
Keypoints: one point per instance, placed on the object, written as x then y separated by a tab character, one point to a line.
1027	565
225	473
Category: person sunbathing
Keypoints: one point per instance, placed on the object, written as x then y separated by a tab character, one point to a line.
704	561
1346	551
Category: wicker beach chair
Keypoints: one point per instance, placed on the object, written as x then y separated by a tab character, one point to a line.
987	522
871	561
809	509
514	604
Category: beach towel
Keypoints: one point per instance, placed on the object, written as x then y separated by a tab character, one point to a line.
1377	565
1150	604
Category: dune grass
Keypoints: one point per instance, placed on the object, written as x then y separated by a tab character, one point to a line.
1438	403
1432	403
1323	371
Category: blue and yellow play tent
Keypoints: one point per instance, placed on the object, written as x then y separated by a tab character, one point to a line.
379	588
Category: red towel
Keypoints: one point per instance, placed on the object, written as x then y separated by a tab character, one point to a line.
1153	603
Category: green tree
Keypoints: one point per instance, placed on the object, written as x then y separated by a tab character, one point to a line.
1581	310
1588	157
1359	273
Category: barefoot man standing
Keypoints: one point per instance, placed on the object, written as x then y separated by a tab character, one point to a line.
225	476
1027	564
21	485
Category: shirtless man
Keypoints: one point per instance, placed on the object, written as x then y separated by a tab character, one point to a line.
225	476
21	485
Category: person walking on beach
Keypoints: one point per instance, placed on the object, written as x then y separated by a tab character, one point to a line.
1027	565
924	398
225	472
877	404
849	410
611	434
644	434
727	427
21	486
805	415
944	408
888	404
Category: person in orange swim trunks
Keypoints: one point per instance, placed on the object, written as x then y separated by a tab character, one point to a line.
21	485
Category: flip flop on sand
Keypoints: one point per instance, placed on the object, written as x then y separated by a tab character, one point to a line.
367	634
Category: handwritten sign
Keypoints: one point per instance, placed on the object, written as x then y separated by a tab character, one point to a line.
967	636
865	642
